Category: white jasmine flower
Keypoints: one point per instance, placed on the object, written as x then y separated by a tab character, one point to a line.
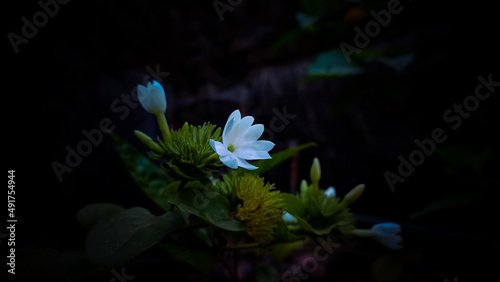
385	233
152	97
239	142
330	192
289	219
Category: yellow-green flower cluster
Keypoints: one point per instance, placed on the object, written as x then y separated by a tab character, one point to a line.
258	206
186	151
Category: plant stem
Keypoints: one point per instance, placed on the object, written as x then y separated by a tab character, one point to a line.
363	233
162	123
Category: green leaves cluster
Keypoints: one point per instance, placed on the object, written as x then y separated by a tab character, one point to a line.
188	153
199	208
317	212
193	207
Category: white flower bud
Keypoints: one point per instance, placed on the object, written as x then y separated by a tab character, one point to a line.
152	97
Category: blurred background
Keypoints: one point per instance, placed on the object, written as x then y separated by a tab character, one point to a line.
281	62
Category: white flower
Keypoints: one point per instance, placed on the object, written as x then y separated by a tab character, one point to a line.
152	97
289	219
239	142
385	233
330	192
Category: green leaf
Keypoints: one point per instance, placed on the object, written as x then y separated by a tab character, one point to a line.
170	190
315	230
201	260
293	204
283	234
119	238
312	199
332	63
329	206
210	206
276	159
150	178
89	215
298	209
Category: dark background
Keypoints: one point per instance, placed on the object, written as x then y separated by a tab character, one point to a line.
66	77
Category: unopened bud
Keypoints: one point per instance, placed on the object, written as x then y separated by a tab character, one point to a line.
354	194
303	189
146	140
315	172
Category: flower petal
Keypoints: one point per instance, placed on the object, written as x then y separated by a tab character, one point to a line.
261	145
251	154
152	97
143	95
387	227
330	192
391	241
289	219
245	124
244	164
232	122
386	234
158	98
253	133
219	148
230	160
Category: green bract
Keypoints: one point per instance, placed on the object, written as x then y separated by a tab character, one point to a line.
188	153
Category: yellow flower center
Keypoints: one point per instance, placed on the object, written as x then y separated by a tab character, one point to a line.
230	148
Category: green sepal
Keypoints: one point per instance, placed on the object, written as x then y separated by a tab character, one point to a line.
209	206
293	205
188	153
283	234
